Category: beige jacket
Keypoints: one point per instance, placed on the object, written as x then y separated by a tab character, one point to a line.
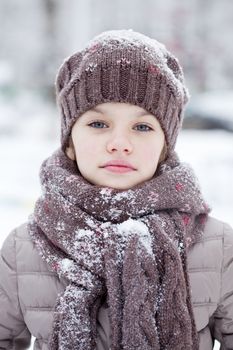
28	291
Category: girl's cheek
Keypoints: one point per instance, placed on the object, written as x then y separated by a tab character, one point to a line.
91	149
149	152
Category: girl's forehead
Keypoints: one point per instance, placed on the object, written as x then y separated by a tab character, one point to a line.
120	107
118	112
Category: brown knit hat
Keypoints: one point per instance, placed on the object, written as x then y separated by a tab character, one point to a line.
122	66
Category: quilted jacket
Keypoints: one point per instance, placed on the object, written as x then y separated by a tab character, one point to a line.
28	291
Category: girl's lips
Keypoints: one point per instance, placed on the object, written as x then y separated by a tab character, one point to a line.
118	169
118	163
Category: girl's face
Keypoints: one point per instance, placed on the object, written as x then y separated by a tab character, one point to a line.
116	145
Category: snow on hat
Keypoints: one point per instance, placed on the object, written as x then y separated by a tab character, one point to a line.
122	66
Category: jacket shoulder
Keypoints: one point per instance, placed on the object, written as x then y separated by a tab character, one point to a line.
20	232
210	250
217	229
8	248
20	252
208	253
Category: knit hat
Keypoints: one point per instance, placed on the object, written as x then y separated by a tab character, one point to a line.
122	66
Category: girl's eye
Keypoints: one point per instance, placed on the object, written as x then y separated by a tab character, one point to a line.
143	127
101	125
97	125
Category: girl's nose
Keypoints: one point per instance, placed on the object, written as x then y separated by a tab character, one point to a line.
119	143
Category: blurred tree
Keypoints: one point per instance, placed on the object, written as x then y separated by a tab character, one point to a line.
36	35
51	54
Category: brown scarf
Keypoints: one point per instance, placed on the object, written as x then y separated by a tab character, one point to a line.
130	246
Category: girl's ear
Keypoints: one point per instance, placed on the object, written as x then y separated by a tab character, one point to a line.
70	151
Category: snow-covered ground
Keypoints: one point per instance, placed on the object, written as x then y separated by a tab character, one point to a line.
29	132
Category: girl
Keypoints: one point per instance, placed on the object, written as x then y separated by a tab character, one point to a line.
120	251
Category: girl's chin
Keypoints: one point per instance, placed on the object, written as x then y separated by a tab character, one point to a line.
124	181
117	185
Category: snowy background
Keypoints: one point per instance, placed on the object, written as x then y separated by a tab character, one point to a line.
37	35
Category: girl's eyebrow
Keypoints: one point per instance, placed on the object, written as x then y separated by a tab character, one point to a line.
140	114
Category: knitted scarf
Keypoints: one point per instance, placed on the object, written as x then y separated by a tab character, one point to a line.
128	246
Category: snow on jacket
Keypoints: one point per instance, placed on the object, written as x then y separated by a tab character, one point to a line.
28	291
